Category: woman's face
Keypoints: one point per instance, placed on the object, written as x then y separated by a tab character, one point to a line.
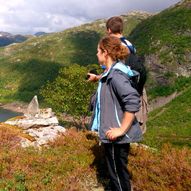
101	56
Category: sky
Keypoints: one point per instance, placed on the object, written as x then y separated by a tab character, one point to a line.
31	16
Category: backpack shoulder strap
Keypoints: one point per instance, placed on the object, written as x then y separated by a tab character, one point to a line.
128	44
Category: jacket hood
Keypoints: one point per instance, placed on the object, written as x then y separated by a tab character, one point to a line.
123	68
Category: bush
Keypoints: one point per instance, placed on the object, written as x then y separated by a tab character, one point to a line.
70	92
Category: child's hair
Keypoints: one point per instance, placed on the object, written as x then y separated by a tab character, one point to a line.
115	49
115	24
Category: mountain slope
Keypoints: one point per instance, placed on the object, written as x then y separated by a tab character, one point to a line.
7	38
168	31
27	66
165	41
171	123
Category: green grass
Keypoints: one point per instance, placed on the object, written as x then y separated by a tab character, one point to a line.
170	29
179	84
21	81
171	123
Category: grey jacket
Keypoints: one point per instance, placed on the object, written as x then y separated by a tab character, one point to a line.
117	96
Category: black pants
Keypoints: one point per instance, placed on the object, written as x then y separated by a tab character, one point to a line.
117	159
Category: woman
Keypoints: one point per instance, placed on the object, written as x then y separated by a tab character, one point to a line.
114	111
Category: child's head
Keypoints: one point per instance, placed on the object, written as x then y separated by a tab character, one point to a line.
114	25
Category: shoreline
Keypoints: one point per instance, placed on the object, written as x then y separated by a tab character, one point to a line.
18	107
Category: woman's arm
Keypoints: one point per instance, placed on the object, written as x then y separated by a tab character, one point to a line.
126	95
114	133
129	101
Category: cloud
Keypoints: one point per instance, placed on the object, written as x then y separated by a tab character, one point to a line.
30	16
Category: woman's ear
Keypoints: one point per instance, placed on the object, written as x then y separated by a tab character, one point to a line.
105	53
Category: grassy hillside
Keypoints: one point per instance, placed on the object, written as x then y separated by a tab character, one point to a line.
168	32
165	41
26	67
171	123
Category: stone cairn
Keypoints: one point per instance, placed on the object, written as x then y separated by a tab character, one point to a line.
40	124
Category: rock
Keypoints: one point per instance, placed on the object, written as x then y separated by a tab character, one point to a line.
26	143
161	101
41	124
27	123
144	147
46	113
45	131
33	108
43	135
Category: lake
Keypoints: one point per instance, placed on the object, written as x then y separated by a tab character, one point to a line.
7	114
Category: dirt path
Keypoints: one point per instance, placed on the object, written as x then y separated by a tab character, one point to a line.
161	101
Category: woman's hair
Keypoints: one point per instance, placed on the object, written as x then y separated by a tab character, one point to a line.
115	24
115	49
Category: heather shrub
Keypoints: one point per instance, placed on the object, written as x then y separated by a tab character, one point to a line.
64	165
165	170
75	162
9	137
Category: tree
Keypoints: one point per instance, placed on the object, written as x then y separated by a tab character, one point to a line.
70	93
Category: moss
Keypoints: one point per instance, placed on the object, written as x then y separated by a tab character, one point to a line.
17	118
17	131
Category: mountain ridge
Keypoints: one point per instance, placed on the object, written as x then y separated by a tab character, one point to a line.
78	46
8	38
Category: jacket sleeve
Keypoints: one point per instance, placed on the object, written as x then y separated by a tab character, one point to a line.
127	96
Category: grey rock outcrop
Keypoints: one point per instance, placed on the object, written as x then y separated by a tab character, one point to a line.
40	124
27	123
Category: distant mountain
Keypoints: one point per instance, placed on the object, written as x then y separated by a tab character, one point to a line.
40	33
7	38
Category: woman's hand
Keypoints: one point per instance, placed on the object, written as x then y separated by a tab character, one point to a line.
113	133
92	77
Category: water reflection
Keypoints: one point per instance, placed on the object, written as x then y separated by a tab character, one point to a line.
7	114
